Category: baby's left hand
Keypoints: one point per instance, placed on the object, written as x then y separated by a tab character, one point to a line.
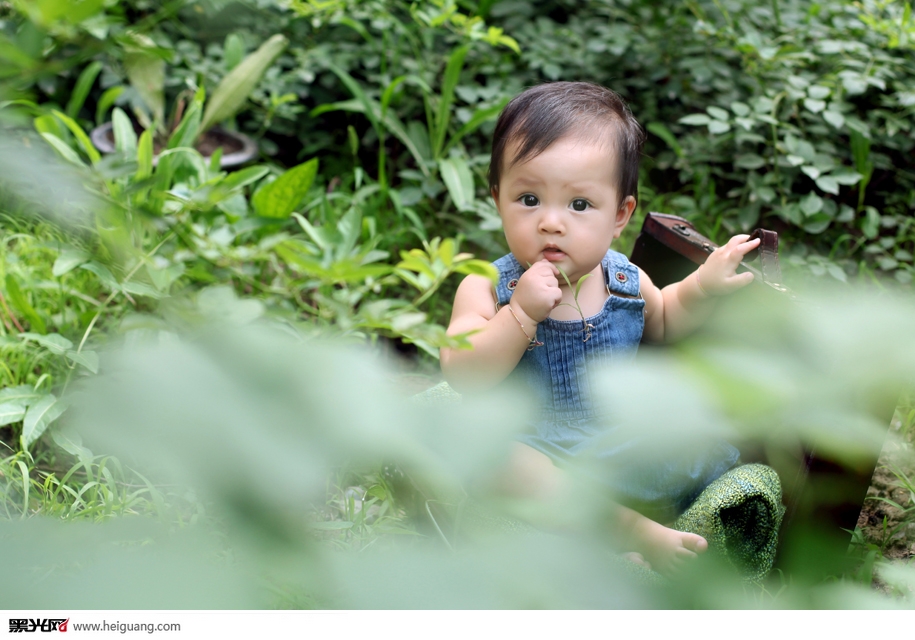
718	276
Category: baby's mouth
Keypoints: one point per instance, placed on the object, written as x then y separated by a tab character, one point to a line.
553	254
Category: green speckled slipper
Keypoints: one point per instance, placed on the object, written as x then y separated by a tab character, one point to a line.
739	514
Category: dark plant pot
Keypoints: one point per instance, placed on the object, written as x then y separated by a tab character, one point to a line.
237	148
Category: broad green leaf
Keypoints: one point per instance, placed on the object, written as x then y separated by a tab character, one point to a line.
280	198
125	138
242	178
88	359
234	89
23	394
80	136
53	342
39	417
459	180
11	412
68	260
717	126
81	89
817	223
21	302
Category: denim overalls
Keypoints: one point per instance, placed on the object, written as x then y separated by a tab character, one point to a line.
559	374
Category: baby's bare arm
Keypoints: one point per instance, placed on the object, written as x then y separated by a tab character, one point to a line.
680	308
501	337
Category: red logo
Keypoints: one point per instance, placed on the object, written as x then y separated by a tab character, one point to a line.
63	625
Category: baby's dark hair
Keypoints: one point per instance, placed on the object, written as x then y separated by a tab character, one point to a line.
543	114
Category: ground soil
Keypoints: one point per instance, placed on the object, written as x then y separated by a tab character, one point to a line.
891	528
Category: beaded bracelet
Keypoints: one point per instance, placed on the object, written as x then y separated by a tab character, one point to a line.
532	342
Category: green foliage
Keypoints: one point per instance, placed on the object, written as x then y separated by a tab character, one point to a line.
188	302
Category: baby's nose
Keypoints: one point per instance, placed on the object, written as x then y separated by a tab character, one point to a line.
551	221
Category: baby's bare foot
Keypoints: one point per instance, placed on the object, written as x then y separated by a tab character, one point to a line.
636	558
668	550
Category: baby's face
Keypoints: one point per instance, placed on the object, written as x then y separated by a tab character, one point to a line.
562	205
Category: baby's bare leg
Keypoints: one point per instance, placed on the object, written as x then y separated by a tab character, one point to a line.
532	476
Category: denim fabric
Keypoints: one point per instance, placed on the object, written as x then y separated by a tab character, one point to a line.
558	376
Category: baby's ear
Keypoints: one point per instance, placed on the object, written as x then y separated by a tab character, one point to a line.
623	215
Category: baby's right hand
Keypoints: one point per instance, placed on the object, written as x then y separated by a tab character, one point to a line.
538	291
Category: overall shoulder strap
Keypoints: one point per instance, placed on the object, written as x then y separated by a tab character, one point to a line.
509	271
622	276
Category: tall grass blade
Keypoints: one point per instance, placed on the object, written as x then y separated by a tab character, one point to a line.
443	113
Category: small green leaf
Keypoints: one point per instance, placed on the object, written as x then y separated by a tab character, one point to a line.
280	198
104	275
233	51
811	204
740	109
717	126
818	92
666	135
750	161
813	172
11	412
145	155
40	416
828	184
80	136
718	113
834	118
125	138
88	359
814	106
695	119
68	260
53	342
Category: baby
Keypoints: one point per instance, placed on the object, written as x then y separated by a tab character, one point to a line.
563	175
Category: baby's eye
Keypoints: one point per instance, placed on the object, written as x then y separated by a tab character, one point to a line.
580	204
529	200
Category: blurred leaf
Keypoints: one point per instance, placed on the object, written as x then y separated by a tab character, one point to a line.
54	342
39	416
81	89
21	302
232	92
11	412
68	260
88	359
459	180
280	198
